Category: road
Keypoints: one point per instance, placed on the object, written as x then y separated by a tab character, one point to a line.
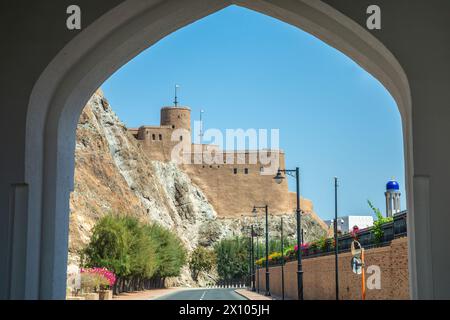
203	294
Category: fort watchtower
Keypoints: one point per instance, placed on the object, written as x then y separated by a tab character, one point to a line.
159	141
176	117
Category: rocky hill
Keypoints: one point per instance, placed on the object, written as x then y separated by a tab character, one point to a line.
112	174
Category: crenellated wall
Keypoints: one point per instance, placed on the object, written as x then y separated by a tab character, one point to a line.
233	189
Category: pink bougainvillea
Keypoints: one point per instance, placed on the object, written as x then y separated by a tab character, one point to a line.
354	232
304	247
108	275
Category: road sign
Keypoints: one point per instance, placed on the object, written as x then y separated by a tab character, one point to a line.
357	265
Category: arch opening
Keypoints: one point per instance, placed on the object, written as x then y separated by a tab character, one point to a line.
109	43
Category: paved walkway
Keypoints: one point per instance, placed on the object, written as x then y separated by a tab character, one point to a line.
250	295
147	294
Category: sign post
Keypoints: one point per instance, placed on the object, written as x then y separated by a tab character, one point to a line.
363	288
357	264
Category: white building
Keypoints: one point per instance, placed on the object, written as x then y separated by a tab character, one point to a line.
348	222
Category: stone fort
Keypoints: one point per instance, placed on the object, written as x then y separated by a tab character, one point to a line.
235	184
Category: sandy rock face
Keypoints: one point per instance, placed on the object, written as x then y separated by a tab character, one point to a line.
113	174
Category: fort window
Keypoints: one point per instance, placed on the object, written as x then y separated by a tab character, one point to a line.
181	138
160	137
246	170
153	136
235	171
173	127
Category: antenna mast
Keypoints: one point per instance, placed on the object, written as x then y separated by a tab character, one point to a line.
175	102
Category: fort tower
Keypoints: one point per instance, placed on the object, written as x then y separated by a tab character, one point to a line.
176	117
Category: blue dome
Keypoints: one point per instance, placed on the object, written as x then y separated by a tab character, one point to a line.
392	185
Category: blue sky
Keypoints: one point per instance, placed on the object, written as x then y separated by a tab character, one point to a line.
247	70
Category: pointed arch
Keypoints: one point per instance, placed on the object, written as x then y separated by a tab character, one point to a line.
111	41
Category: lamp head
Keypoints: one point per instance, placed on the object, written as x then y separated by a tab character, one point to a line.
279	177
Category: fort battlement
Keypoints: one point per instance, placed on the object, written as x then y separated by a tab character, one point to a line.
234	182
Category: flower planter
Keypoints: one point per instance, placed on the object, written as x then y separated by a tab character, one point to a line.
90	296
75	298
105	294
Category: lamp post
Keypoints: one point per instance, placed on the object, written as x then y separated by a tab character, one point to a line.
336	243
252	265
255	266
282	260
253	254
250	244
255	210
279	179
257	257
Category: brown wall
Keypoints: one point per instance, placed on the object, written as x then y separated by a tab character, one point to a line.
319	275
233	195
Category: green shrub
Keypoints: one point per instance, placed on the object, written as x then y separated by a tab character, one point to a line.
170	251
109	246
232	259
202	259
377	229
133	250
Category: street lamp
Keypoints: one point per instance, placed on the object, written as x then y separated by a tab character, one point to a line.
257	257
252	260
255	211
336	240
279	178
253	254
282	259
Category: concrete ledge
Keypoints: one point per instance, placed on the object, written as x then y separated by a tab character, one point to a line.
146	294
250	295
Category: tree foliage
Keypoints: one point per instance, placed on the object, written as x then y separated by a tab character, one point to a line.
232	259
170	251
109	246
201	260
377	228
133	250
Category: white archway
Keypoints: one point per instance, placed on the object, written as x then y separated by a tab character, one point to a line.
90	58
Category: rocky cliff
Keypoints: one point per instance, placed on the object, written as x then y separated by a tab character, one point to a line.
112	174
